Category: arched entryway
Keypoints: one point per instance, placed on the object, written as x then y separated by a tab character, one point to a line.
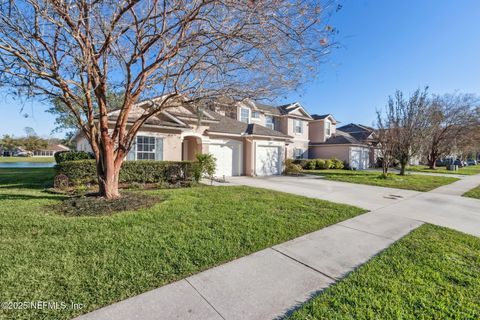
191	145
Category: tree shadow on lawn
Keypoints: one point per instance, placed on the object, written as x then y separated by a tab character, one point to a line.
44	196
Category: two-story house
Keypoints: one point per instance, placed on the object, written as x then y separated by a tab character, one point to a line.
246	138
345	143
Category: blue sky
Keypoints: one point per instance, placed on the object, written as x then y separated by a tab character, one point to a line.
384	46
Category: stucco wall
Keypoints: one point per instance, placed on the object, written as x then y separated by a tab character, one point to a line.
341	152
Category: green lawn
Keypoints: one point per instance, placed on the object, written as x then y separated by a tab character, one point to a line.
474	193
470	170
100	260
410	182
27	159
433	273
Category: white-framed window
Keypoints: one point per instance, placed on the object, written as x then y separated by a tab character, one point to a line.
255	115
328	128
297	126
146	148
298	153
245	115
269	122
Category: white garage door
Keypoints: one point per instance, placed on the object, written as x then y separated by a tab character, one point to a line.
359	158
228	157
267	161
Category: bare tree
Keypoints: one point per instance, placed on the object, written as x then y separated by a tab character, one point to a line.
451	123
183	51
404	125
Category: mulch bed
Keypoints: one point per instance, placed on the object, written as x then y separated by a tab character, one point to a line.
92	205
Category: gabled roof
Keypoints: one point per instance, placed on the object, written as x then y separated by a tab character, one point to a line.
358	131
282	110
231	126
340	138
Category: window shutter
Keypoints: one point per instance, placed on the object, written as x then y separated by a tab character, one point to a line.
158	148
133	150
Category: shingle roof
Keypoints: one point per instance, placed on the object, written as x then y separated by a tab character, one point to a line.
358	131
232	126
319	116
340	138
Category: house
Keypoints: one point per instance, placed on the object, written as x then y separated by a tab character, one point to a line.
365	135
246	139
50	150
327	141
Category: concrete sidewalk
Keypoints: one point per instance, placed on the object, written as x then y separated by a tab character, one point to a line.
270	283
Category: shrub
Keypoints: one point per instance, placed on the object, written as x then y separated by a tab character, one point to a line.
63	156
204	166
311	164
328	164
337	164
320	164
292	168
84	171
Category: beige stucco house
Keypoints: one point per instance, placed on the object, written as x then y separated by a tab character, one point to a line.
247	138
327	141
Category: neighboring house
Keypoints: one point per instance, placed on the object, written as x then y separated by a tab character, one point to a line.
326	141
365	135
241	147
50	150
290	119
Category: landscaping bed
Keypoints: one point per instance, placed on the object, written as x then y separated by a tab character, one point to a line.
409	182
99	260
432	273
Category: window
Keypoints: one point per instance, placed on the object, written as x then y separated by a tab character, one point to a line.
255	115
146	148
328	128
269	122
298	126
245	115
298	153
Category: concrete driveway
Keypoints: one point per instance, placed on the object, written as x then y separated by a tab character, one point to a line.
363	196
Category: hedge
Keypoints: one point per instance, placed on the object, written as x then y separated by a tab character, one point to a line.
144	171
320	164
63	156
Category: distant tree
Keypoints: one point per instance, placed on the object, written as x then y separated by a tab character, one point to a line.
182	51
30	132
8	143
403	125
452	124
32	143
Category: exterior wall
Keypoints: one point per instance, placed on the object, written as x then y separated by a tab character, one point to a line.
297	144
316	130
341	152
248	157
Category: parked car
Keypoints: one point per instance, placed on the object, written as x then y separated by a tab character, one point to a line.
24	154
472	162
459	163
441	163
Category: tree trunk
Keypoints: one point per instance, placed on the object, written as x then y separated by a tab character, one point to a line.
108	174
403	165
432	159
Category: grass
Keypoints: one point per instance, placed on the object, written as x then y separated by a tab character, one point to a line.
430	274
97	261
470	170
474	193
410	182
27	159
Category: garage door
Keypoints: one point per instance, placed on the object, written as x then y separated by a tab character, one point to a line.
267	161
228	157
359	158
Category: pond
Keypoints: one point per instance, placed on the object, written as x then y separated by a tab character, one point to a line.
27	164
